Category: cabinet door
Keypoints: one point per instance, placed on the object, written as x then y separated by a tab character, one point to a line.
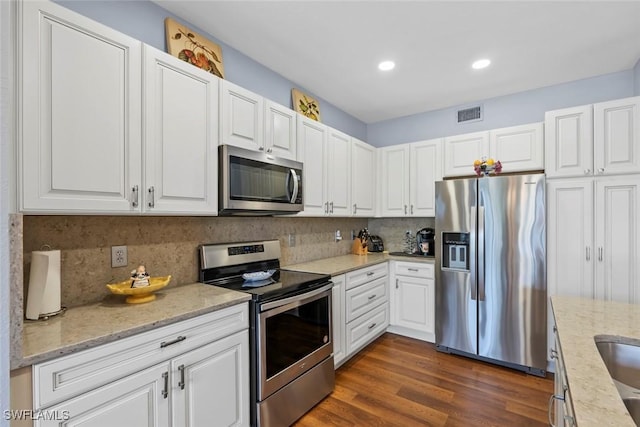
394	180
339	322
460	151
180	149
617	136
568	142
338	173
425	170
280	130
519	148
210	385
140	399
414	304
618	239
312	146
241	117
363	178
570	251
80	146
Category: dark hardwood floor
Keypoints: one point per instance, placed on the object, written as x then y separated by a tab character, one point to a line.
399	381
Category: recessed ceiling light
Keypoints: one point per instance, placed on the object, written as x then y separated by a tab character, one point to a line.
386	65
480	64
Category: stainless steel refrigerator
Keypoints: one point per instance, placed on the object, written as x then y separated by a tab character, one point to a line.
491	292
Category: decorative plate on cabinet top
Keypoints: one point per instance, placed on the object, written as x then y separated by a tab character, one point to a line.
142	294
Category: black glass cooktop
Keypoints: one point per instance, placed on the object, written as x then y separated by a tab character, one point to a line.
282	284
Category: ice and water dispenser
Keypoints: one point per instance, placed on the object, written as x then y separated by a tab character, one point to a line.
455	251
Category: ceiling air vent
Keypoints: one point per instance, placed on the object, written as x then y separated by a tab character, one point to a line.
471	114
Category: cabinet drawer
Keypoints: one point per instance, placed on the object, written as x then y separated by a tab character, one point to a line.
364	329
364	275
362	298
415	269
68	376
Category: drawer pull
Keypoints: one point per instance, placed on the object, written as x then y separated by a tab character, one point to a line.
371	273
165	390
372	297
373	325
181	383
554	353
164	344
552	398
415	270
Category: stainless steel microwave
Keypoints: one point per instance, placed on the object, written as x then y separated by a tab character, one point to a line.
257	183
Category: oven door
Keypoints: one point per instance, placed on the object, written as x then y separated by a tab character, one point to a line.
294	334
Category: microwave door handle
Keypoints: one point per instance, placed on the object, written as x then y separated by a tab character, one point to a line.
294	176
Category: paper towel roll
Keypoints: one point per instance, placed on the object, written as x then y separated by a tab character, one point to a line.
44	284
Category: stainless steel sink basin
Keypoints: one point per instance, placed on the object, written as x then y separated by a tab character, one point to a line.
622	358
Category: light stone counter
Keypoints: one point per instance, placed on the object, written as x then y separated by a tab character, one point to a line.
595	399
112	319
346	263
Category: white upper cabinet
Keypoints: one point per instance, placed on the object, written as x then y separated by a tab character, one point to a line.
280	130
180	140
616	136
338	173
363	178
241	117
312	152
460	151
425	169
408	176
598	139
80	125
519	148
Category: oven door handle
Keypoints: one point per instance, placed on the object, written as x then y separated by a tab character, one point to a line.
300	297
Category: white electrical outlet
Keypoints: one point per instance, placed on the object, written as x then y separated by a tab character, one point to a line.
292	240
119	256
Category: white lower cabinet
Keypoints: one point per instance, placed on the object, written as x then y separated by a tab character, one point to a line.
339	324
191	373
413	300
366	306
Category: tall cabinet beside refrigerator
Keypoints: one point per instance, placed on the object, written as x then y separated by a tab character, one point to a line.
491	296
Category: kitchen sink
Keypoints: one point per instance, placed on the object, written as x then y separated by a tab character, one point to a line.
621	356
412	255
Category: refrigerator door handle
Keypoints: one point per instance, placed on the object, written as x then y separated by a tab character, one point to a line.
481	266
472	255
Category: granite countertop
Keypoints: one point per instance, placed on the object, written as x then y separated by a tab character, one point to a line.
91	325
594	396
346	263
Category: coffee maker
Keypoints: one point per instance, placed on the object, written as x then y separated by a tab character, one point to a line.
425	242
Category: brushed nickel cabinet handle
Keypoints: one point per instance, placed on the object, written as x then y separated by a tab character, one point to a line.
397	283
588	253
371	273
411	209
331	207
326	207
600	254
372	297
355	208
181	383
165	390
601	171
405	209
373	325
134	194
587	171
152	196
413	269
164	344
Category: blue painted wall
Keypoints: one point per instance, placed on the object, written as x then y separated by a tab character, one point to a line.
144	21
508	110
636	78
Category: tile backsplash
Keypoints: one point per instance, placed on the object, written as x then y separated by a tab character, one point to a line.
168	245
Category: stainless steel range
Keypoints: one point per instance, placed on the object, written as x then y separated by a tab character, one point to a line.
291	332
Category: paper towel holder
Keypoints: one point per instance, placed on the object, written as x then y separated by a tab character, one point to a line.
43	299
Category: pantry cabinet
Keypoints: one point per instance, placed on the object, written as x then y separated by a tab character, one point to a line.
408	176
363	178
79	134
519	148
176	375
180	139
597	139
413	299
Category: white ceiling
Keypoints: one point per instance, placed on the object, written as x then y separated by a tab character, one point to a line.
332	48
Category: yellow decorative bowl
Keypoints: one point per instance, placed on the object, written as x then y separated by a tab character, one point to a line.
139	295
